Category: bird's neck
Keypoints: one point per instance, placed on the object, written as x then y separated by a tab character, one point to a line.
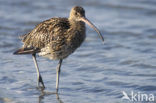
77	24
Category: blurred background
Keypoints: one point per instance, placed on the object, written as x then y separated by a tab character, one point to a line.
95	73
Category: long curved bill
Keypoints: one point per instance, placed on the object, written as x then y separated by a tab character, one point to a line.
92	26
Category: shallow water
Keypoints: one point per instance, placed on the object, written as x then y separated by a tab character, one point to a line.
95	73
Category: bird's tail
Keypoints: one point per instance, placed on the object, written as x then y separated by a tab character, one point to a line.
26	51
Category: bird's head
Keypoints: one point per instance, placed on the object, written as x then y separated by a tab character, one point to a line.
77	13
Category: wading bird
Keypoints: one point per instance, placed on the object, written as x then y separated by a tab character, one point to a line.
56	39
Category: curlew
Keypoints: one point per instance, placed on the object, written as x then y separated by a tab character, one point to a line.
56	39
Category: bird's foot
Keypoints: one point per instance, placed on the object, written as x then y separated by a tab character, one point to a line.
57	90
40	81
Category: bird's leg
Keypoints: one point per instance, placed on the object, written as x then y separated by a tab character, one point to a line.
39	77
58	70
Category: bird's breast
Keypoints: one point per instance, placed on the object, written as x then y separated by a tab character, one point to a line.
76	35
67	43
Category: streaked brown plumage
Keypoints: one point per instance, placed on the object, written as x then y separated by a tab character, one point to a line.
56	38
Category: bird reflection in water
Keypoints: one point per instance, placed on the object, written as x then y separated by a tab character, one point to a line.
45	93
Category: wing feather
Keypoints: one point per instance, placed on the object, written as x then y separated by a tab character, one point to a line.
48	31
